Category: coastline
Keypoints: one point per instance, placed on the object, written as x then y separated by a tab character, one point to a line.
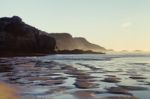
67	52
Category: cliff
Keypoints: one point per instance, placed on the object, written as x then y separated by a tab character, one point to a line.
18	38
64	41
82	43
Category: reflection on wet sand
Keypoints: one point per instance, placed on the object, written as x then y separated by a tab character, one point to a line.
45	78
8	92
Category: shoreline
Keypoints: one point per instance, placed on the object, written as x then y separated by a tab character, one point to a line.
80	80
45	54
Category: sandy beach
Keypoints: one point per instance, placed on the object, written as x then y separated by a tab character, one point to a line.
8	92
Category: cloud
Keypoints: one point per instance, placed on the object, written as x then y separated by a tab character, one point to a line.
126	24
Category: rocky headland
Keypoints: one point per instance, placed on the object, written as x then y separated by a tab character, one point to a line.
65	41
18	38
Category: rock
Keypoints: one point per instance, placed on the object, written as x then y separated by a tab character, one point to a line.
88	80
118	90
111	80
132	88
5	68
75	72
14	78
84	94
45	64
69	69
18	38
51	82
38	78
85	77
85	84
147	83
120	97
110	75
137	77
78	51
59	78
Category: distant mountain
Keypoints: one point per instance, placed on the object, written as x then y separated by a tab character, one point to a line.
65	41
82	43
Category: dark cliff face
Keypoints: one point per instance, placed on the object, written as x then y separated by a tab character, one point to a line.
16	37
65	41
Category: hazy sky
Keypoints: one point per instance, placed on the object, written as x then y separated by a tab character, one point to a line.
114	24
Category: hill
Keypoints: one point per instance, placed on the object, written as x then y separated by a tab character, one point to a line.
65	41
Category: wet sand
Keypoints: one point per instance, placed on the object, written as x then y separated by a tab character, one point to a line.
8	92
36	79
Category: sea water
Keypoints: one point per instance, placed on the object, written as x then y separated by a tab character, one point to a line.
121	65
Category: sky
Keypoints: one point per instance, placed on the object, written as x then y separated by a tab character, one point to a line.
113	24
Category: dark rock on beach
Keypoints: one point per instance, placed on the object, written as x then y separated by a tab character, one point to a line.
137	77
118	90
111	80
84	94
5	68
85	84
133	88
120	97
